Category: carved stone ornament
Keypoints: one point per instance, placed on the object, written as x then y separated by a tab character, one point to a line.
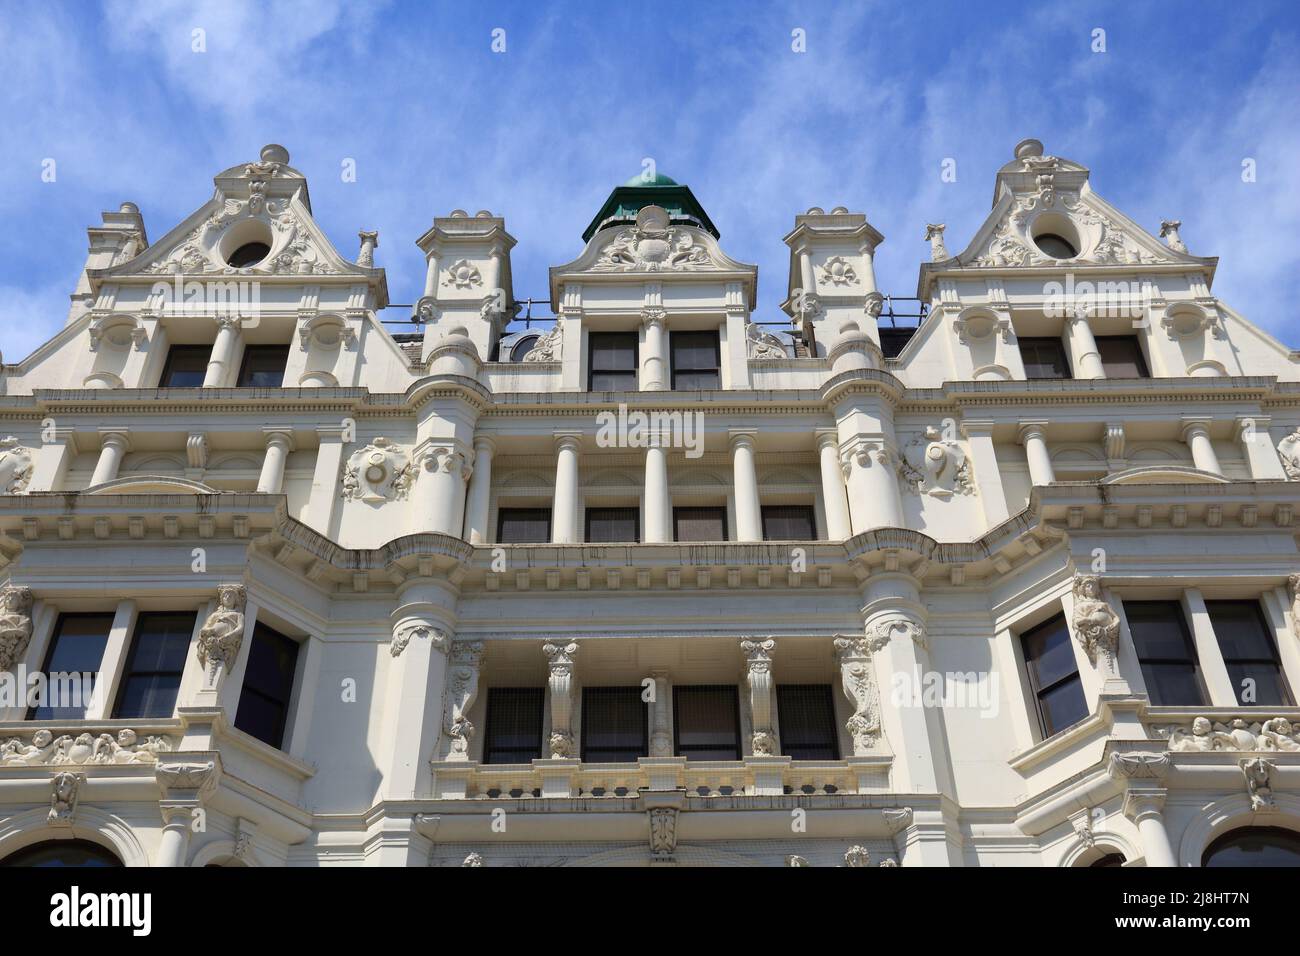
406	630
185	777
652	245
1273	734
223	631
47	750
1256	770
463	274
1096	625
1139	766
1289	451
858	682
560	664
1012	245
838	271
473	859
1293	588
663	833
65	788
934	236
857	856
935	466
758	676
462	689
762	346
547	346
15	624
381	471
15	466
794	860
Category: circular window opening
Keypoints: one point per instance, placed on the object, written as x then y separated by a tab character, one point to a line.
1058	247
249	254
522	348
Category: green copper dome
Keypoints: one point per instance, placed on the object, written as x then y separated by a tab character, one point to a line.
626	201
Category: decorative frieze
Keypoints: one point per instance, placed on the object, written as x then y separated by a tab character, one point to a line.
1239	734
47	750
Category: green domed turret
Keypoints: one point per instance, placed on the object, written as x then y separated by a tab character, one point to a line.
645	190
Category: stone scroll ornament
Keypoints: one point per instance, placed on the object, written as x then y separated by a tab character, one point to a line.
758	675
547	347
560	663
462	689
652	245
935	466
223	631
15	625
381	471
1096	625
406	630
762	346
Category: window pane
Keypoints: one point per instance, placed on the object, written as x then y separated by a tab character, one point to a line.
268	686
613	725
694	358
1254	846
514	724
1062	705
1044	358
77	648
613	382
788	523
699	524
706	722
1121	356
263	366
1172	684
1241	631
186	366
1049	652
153	671
524	525
1258	683
613	524
806	714
1159	631
613	361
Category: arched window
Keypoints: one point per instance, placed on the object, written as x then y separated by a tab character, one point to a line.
1110	859
1254	846
62	853
523	347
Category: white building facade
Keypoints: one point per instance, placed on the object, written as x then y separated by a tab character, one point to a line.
653	584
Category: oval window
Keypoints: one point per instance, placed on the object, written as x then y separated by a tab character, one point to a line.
1058	247
249	254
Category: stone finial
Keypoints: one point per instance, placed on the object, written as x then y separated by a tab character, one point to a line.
934	235
369	242
1169	232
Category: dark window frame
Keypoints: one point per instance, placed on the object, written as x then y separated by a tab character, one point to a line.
1039	691
1139	356
173	352
256	352
1189	643
129	672
490	751
766	511
683	339
784	710
603	513
1037	342
597	340
48	659
718	511
264	632
1274	662
641	748
685	750
505	514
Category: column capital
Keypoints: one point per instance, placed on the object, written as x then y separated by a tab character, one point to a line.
486	443
827	436
977	427
568	440
279	433
1028	430
1145	802
738	437
654	315
119	435
1191	426
333	432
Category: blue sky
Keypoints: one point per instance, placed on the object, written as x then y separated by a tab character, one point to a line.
712	92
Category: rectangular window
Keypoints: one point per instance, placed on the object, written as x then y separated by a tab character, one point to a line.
514	724
706	722
524	525
699	524
695	360
1250	653
263	366
186	366
1043	358
806	713
614	725
1121	356
789	523
1166	652
76	648
268	686
613	362
153	671
612	525
1054	675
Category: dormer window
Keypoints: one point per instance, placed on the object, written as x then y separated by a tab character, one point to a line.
249	254
1058	247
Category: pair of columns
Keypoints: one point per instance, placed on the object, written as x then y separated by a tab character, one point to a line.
116	442
1033	435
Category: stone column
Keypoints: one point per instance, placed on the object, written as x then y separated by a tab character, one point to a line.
758	678
749	513
1145	807
116	444
417	678
1033	437
564	508
184	787
661	737
654	364
560	694
223	353
1196	433
480	492
658	513
440	488
874	497
1087	360
279	443
834	499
